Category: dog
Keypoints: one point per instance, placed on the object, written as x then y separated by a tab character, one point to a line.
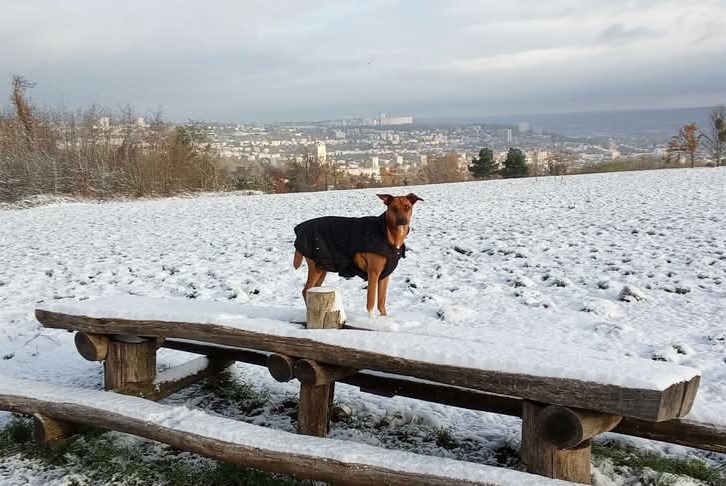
368	247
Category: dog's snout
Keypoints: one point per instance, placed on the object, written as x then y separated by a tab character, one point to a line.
401	221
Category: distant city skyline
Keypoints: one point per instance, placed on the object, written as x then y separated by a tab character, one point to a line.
323	59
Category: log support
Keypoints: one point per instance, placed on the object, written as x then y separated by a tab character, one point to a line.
567	428
546	459
281	367
313	413
317	392
129	363
311	372
93	347
51	431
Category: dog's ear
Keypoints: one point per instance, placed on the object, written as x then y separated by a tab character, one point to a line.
412	198
386	198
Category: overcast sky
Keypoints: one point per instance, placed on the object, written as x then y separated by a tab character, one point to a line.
294	59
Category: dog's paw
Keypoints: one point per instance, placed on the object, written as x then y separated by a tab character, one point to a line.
371	315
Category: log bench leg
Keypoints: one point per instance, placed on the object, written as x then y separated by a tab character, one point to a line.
51	431
317	391
313	414
544	458
129	363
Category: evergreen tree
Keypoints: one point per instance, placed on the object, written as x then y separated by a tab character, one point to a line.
515	165
484	166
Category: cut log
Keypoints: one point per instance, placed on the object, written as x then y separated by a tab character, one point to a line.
281	367
129	363
325	309
51	431
544	458
313	411
311	372
567	427
93	347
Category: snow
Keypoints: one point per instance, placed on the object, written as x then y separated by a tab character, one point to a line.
252	436
178	372
461	348
662	232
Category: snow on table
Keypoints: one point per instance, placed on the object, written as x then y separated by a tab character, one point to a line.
239	433
483	351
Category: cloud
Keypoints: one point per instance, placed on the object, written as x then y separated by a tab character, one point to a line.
618	33
293	59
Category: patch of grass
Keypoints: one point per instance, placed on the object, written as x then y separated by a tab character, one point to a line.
97	456
639	460
444	438
226	388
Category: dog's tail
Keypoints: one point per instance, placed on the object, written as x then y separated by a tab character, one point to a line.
297	260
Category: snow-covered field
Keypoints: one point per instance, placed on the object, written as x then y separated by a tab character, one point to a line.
539	260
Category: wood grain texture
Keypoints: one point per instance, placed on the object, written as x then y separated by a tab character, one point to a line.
129	363
652	405
320	313
313	412
281	367
93	347
51	431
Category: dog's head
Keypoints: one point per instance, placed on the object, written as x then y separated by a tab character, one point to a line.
400	208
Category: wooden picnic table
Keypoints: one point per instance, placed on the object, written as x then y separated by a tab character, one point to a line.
566	398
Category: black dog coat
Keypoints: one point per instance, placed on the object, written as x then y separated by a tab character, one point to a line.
332	241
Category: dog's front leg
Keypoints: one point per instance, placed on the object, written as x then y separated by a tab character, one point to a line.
382	293
372	290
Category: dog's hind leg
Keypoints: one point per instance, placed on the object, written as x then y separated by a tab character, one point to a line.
313	276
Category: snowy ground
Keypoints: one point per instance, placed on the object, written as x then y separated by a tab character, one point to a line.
539	259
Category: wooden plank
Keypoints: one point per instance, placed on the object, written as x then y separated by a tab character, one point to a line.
357	470
653	405
685	432
544	458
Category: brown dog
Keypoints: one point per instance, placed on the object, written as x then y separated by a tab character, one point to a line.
368	247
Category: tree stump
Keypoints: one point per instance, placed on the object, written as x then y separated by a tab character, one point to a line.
325	309
129	362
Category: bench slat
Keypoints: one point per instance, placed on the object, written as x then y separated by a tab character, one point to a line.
626	386
250	445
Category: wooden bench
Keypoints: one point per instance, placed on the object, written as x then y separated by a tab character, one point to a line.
565	398
305	457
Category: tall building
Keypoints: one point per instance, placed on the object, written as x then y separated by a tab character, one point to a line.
508	135
321	151
374	162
